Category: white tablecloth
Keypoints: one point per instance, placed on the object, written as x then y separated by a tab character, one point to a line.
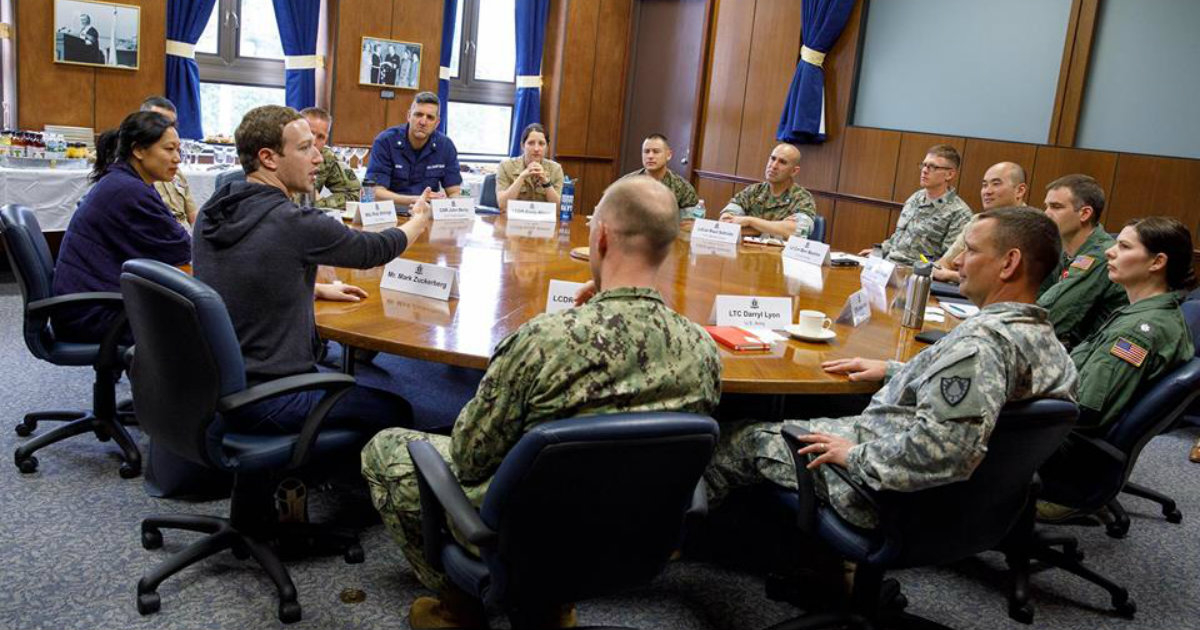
52	193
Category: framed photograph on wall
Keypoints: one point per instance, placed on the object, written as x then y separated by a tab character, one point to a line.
93	33
390	63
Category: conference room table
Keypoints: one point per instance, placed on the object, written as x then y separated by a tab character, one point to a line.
504	270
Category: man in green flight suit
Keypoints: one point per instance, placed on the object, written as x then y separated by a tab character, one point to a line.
1078	294
620	349
332	175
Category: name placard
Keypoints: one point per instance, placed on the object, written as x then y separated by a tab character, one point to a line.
802	276
857	310
713	248
453	208
877	271
418	278
529	229
373	213
450	230
748	310
414	308
715	231
561	295
540	211
804	250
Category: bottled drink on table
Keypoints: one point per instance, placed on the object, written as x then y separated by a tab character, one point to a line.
566	208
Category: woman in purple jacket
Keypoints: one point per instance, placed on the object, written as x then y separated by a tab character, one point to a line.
120	218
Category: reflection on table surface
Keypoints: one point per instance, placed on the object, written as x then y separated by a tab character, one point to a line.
504	273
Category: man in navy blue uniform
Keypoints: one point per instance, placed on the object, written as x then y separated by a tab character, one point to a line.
407	159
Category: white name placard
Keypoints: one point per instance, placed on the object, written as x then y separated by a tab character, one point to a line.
714	248
418	278
877	271
561	295
802	276
857	310
414	308
373	213
529	229
454	208
709	230
541	211
747	310
804	250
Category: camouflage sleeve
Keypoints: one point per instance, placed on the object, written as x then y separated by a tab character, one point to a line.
490	425
960	244
740	204
958	221
804	204
686	197
957	406
341	182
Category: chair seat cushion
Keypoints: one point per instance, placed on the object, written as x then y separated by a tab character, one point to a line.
466	571
65	353
259	452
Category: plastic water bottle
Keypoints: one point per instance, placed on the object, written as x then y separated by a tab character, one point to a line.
368	191
566	208
804	226
699	211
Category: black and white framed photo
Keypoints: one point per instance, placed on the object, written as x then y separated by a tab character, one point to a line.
390	63
92	33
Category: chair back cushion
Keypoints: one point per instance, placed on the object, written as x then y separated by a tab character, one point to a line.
818	230
487	196
230	176
1191	316
591	505
29	257
186	358
1155	410
958	520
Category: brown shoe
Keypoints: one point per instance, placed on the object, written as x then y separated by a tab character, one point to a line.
1195	454
431	612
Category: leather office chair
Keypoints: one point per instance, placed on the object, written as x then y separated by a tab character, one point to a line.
978	514
487	196
33	266
187	371
578	509
229	176
818	230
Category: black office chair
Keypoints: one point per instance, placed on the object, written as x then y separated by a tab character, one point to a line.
487	195
932	526
579	508
33	266
818	230
187	372
229	176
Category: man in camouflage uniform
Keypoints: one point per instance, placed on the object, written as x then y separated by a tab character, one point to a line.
930	423
932	217
778	206
621	349
1003	186
332	174
1079	294
656	155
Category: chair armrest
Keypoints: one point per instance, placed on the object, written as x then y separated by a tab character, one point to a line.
699	506
806	519
94	298
1097	445
442	494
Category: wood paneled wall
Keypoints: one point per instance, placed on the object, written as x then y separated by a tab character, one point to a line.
359	112
860	175
51	93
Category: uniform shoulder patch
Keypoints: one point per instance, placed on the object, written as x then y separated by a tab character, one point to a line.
955	389
1128	351
1083	262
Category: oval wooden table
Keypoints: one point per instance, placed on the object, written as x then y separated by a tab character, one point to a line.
504	273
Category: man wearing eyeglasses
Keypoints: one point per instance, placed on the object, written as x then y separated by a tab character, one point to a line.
932	217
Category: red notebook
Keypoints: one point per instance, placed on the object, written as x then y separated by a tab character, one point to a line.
736	338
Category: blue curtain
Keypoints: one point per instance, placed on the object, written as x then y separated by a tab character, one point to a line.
531	35
803	112
186	20
449	23
298	22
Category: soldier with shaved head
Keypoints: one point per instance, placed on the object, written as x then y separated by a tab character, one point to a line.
778	206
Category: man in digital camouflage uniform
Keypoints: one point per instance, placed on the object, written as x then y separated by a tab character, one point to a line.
778	206
929	424
620	350
656	155
332	175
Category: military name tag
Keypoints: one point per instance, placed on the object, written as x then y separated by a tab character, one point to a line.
857	310
745	310
716	231
453	208
539	211
372	213
804	250
418	278
561	295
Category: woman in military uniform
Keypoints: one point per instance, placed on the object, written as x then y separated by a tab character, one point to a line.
530	177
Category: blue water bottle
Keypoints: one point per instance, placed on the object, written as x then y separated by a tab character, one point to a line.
566	207
367	194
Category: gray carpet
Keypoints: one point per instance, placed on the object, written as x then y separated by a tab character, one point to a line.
71	554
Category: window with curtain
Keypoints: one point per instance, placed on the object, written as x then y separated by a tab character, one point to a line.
482	83
240	57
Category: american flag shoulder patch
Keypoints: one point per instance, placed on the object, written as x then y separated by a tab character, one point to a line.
1083	262
1128	351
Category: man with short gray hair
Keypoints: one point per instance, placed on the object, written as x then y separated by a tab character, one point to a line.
332	175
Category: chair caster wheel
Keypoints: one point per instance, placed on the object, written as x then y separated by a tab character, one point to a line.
24	429
148	603
103	436
289	612
1174	516
1126	608
1117	530
354	554
129	471
27	465
151	538
1022	613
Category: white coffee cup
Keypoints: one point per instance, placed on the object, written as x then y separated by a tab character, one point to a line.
812	323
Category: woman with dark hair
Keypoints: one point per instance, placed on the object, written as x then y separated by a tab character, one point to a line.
120	218
530	177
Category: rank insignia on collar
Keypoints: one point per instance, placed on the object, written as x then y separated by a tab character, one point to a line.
1144	328
955	388
1083	262
1128	352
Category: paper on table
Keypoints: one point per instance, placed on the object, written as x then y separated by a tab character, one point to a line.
961	311
763	333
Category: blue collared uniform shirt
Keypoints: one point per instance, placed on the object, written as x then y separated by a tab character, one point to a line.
396	166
